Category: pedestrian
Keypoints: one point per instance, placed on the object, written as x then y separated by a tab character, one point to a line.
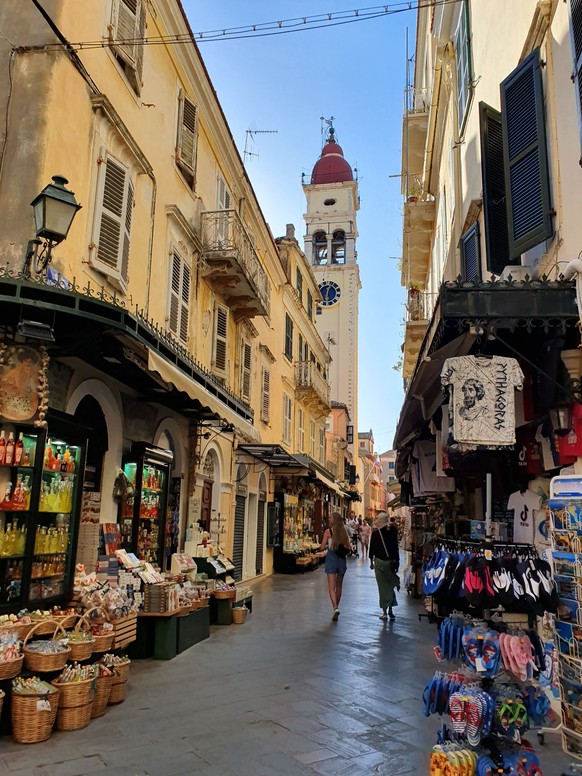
337	541
365	532
384	559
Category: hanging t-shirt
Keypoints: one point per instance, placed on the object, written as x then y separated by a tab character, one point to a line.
426	479
483	398
525	507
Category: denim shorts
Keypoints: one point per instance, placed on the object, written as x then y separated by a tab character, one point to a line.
334	564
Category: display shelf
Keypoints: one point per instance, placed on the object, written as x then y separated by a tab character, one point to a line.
11	557
20	511
15	466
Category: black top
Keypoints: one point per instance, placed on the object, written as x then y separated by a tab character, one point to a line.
390	536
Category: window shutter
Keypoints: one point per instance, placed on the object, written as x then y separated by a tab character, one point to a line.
576	14
527	184
220	339
128	33
222	203
287	409
494	205
312	438
246	371
300	286
471	254
266	395
139	46
288	338
113	214
187	135
180	298
463	62
310	305
301	428
126	233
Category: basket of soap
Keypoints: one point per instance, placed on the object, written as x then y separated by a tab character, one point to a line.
46	654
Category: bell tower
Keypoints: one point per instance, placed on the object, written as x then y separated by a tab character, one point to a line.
330	246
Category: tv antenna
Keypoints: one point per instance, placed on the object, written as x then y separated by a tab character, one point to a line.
249	134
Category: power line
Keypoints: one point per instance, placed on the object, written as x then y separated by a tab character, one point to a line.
265	29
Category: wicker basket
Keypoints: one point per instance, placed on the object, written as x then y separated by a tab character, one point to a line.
11	668
43	626
117	694
20	629
239	614
73	694
101	643
67	620
222	594
40	661
82	650
121	673
31	724
74	718
101	698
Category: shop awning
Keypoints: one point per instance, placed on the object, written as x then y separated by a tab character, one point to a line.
278	458
424	394
171	374
320	473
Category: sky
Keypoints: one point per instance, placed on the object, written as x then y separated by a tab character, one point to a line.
286	82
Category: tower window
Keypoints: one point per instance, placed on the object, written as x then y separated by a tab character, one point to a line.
338	247
330	201
320	248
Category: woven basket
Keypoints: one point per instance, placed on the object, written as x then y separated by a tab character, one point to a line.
30	725
117	694
101	698
43	626
11	668
222	594
121	673
67	620
40	661
82	650
19	629
74	718
239	614
74	694
101	643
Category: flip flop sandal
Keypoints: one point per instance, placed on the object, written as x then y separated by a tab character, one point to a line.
474	712
504	714
457	712
428	696
485	766
520	716
437	763
515	656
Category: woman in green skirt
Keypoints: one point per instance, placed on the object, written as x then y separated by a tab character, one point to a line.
384	559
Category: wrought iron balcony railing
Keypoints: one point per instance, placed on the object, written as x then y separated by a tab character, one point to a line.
419	305
416	100
233	263
309	380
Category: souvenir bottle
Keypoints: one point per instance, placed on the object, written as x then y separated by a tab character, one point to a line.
18	450
6	502
26	457
2	447
9	459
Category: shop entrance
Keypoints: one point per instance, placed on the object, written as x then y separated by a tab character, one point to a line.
90	414
239	536
259	555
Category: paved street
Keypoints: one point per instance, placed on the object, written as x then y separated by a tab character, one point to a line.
289	692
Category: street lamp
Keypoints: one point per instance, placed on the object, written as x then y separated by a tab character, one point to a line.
54	210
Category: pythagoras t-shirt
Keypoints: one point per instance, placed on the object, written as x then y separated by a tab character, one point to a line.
483	398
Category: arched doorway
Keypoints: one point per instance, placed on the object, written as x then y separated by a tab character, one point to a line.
240	508
90	414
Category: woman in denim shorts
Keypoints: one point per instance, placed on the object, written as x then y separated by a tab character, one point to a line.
338	545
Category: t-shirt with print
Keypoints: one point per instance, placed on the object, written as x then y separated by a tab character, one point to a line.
525	507
483	398
426	479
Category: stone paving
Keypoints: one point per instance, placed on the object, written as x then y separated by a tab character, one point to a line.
289	692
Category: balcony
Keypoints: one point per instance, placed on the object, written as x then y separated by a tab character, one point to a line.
414	131
233	268
417	232
311	386
419	310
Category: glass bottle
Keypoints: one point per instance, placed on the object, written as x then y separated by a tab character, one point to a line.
2	446
18	450
9	459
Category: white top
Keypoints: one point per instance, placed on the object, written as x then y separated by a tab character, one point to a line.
525	508
483	398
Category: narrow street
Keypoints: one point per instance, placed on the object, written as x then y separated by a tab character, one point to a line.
289	692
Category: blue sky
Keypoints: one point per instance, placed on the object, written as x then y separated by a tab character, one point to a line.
356	73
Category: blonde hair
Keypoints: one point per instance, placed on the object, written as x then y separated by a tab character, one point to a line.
338	532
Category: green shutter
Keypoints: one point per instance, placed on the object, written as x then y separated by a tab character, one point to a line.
471	254
527	184
494	208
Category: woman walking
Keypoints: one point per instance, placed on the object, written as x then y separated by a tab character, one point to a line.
338	545
365	532
384	559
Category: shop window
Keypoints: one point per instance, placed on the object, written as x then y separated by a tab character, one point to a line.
287	418
471	254
463	62
265	395
320	248
338	247
288	337
112	221
179	304
186	143
245	371
126	38
220	354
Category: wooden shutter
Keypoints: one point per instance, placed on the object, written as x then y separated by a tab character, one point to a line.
260	536
300	285
239	536
576	17
494	205
288	337
286	418
246	371
220	338
310	305
301	428
180	298
527	184
312	438
265	395
127	35
471	254
463	61
113	214
222	203
187	135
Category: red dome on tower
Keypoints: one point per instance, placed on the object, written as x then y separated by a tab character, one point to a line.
331	167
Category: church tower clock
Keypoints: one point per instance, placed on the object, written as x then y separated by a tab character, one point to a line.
330	245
